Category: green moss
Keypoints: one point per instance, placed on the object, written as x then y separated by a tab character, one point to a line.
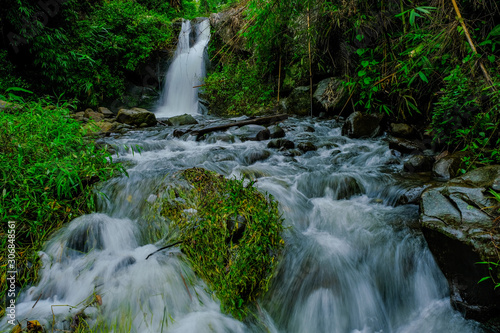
231	233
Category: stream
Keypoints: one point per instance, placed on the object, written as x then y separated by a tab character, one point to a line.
354	259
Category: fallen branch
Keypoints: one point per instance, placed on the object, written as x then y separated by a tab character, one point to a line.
163	248
269	120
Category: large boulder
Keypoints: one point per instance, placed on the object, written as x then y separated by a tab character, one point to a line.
227	25
136	117
459	223
362	125
252	133
330	94
185	119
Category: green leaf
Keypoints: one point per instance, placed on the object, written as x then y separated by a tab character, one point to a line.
491	58
484	279
361	73
365	63
423	77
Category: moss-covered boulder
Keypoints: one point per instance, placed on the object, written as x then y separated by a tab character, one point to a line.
230	233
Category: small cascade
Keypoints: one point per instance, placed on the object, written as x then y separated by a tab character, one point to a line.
186	72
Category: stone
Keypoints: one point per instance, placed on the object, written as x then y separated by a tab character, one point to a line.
405	146
91	114
253	156
307	146
252	133
106	126
185	119
458	222
361	125
329	94
281	143
402	130
105	112
449	166
276	132
419	163
135	117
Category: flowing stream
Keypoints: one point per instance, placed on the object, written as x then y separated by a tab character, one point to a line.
354	259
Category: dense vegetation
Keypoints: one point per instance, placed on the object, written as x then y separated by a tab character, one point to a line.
230	233
47	167
411	60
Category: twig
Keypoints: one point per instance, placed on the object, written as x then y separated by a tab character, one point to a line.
163	248
37	301
185	284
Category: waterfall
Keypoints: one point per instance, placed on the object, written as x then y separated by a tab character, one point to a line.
186	72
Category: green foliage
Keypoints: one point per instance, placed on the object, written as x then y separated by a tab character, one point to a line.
232	241
467	117
7	73
47	168
237	88
88	58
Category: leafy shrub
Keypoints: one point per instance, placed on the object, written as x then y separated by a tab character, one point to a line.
47	167
237	88
232	240
467	118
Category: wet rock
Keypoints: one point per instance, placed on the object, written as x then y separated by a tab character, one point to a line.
179	133
106	112
361	125
307	146
281	143
276	132
86	238
330	94
135	117
185	119
402	130
309	129
405	146
250	157
128	261
224	137
252	133
458	222
419	163
449	166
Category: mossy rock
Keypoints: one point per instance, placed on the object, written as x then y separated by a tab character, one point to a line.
231	234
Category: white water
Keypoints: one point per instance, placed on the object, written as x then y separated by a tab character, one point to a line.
186	71
352	262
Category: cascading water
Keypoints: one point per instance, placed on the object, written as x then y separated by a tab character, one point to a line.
186	72
353	260
352	263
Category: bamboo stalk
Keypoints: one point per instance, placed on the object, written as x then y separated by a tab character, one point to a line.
279	80
310	59
471	43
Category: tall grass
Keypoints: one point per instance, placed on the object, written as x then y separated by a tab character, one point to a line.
47	167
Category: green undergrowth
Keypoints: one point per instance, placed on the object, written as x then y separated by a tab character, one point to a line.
231	235
47	168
